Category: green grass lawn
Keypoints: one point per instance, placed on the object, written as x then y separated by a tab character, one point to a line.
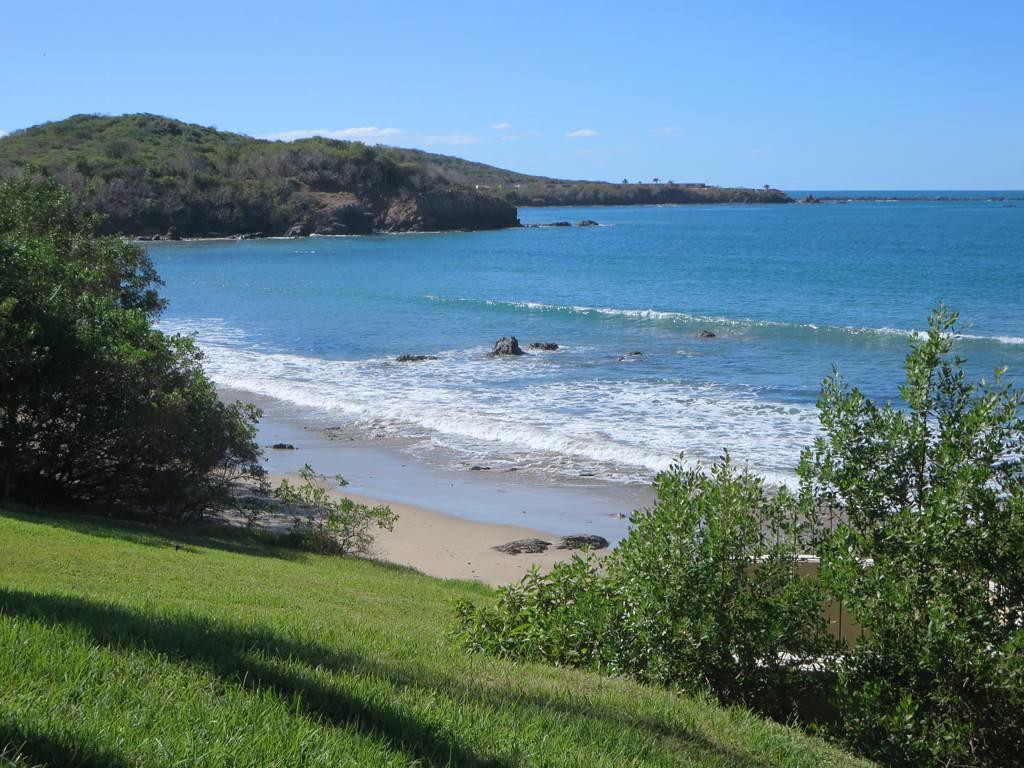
128	644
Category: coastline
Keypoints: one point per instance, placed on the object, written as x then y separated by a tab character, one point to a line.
449	547
450	519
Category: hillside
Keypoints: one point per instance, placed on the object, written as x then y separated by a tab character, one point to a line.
151	174
523	189
131	644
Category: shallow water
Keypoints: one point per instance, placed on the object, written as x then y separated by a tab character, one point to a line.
788	291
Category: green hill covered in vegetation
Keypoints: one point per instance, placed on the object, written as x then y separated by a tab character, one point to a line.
150	175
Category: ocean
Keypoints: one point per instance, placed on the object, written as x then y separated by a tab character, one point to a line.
789	292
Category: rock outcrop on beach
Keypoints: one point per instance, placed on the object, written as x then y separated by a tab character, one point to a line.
523	547
506	345
582	541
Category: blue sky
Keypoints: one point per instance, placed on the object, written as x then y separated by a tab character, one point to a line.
800	95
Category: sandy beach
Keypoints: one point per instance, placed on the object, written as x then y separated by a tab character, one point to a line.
450	547
450	520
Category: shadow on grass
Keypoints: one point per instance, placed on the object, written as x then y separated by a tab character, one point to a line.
187	536
671	736
26	747
301	673
255	659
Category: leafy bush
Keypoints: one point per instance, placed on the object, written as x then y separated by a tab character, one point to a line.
96	406
328	524
703	594
710	590
562	617
928	555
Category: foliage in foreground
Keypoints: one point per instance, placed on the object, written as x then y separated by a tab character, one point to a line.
924	546
929	557
131	644
330	525
703	594
96	406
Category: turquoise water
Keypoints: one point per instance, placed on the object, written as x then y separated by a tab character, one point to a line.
789	292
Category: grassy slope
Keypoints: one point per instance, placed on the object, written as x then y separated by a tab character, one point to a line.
126	644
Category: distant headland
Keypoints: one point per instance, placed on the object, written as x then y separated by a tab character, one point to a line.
154	176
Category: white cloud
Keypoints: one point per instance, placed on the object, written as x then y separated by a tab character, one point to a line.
451	138
363	133
582	133
501	126
2	133
667	130
509	137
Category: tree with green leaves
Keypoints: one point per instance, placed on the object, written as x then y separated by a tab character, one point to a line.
925	548
97	407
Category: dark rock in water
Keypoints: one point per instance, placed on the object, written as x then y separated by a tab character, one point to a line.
414	358
587	223
705	334
581	541
146	238
523	546
547	346
283	447
172	234
634	353
506	345
559	224
478	468
248	236
810	199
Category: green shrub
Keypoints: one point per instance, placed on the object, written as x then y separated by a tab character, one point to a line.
96	406
562	617
710	591
928	556
332	525
703	595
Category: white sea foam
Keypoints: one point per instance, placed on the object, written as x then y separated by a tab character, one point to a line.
513	414
714	320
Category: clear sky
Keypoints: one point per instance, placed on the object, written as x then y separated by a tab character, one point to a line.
800	95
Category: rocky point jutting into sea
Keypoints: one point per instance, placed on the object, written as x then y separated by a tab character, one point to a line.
153	176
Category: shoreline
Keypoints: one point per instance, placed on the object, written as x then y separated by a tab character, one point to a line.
387	471
449	519
448	547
